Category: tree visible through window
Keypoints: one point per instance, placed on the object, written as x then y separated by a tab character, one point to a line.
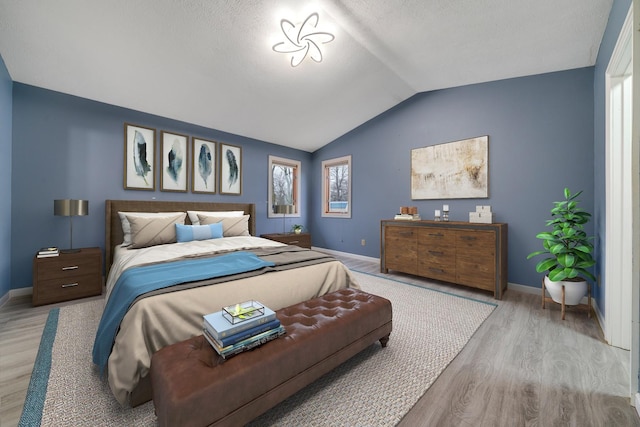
337	187
283	186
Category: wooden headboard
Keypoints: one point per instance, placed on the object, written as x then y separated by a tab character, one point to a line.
113	226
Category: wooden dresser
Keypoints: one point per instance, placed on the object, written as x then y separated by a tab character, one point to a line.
67	276
464	253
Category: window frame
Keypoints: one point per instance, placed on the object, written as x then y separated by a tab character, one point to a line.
296	188
326	165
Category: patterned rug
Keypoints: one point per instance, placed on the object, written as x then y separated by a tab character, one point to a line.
375	388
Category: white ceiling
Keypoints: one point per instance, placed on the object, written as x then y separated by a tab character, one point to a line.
210	62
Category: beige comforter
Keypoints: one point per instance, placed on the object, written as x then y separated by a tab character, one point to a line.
154	322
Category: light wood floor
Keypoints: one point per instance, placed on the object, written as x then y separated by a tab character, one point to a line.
523	367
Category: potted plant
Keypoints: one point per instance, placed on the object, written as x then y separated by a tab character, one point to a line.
297	228
570	251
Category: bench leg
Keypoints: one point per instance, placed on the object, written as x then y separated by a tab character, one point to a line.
384	340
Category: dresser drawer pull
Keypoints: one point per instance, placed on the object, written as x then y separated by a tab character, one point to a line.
437	270
468	237
436	234
294	242
73	267
405	233
436	252
70	285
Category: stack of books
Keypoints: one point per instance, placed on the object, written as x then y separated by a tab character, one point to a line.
48	252
241	327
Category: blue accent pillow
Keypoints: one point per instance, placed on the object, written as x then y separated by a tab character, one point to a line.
187	233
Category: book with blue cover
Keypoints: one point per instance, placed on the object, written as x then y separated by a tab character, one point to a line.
220	327
244	345
235	338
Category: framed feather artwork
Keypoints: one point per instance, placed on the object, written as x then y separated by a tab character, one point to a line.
203	170
230	169
174	155
139	157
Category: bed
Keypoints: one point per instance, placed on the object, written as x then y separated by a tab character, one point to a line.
174	313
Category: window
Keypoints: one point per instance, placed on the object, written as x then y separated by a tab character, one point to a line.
336	187
284	187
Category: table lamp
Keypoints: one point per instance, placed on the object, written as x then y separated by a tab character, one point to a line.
284	210
70	208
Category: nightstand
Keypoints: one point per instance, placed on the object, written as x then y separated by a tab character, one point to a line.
67	276
301	239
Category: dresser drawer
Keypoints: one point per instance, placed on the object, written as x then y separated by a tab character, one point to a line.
476	259
400	252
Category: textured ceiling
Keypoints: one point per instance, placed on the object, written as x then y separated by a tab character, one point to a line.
211	63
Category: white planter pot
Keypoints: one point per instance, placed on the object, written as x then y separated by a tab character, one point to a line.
573	291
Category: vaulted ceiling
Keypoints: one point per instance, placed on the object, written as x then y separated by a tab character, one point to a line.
211	62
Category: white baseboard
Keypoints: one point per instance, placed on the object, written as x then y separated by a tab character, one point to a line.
346	254
14	293
637	403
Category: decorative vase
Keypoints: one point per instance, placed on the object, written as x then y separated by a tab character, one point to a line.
573	291
297	230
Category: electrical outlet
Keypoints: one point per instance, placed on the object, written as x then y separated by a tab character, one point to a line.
363	242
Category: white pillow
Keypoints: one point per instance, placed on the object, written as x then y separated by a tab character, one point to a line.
193	215
126	226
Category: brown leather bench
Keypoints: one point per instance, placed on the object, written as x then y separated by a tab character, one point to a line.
193	386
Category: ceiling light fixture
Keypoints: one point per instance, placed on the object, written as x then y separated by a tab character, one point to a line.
302	41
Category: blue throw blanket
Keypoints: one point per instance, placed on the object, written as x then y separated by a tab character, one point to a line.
137	281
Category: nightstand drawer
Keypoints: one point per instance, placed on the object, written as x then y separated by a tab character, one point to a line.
67	266
301	239
56	290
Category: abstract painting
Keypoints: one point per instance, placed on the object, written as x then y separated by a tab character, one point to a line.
174	162
455	170
139	157
203	172
230	169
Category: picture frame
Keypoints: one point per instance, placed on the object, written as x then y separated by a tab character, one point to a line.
230	169
174	153
139	157
203	166
453	170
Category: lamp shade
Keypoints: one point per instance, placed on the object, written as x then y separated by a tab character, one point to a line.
285	209
70	207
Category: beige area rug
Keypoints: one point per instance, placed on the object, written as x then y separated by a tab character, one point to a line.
375	388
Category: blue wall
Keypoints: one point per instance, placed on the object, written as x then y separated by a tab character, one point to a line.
540	132
64	146
6	87
616	20
69	147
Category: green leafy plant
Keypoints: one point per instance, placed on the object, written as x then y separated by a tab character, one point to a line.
297	227
568	244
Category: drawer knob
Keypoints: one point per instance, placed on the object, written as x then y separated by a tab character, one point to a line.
70	285
436	252
73	267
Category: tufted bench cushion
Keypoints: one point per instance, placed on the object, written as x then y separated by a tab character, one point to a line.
193	386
